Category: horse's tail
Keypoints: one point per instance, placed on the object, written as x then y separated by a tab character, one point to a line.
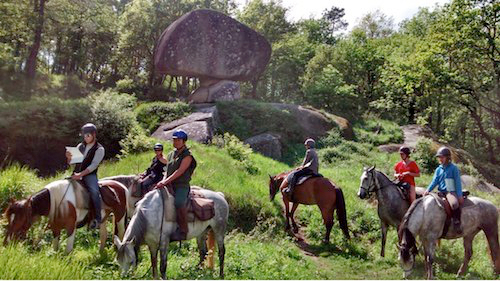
491	230
211	248
341	212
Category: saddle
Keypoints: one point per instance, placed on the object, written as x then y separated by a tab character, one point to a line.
441	197
108	196
199	207
404	189
303	179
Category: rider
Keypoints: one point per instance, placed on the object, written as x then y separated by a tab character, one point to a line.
447	178
310	166
93	153
180	167
406	170
154	173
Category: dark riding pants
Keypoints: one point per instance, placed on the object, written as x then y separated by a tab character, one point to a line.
295	176
95	195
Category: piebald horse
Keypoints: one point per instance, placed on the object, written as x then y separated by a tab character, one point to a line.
65	203
314	191
426	219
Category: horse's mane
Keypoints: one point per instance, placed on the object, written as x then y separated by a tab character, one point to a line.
403	231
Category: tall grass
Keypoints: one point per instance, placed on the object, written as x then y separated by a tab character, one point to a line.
257	247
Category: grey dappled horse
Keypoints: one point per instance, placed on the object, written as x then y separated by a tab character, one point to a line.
426	219
392	205
147	226
131	182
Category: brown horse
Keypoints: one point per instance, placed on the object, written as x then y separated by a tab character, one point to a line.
65	203
314	191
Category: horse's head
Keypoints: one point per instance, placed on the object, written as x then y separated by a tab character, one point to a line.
274	184
407	251
19	217
125	255
367	182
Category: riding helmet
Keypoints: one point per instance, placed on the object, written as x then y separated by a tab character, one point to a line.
405	149
88	128
310	142
180	134
158	146
443	151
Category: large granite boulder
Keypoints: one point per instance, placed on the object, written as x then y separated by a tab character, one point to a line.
223	90
266	144
316	124
209	44
200	126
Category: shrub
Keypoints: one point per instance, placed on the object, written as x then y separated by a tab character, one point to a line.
113	115
378	131
136	141
150	115
237	150
16	182
425	155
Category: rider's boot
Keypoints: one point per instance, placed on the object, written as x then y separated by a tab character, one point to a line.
181	232
455	218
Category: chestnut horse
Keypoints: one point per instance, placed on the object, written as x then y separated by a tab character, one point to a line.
314	191
65	203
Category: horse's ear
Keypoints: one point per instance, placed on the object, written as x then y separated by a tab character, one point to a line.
28	201
117	241
271	177
131	242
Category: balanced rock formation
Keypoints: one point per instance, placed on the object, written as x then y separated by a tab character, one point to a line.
223	90
211	46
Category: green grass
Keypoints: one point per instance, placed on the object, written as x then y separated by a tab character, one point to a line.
257	247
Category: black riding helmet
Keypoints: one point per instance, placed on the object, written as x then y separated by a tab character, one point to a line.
443	151
158	146
405	149
88	128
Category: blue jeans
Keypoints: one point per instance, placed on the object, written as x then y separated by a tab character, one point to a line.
95	194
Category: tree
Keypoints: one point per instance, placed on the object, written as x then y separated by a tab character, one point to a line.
39	9
376	25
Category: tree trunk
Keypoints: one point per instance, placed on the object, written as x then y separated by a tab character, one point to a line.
33	54
477	119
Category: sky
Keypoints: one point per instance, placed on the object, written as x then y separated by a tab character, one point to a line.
355	9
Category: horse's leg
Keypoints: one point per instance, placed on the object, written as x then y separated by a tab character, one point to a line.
327	215
120	226
492	237
153	250
219	236
295	228
202	247
287	212
71	228
468	254
163	258
429	248
55	243
103	233
383	228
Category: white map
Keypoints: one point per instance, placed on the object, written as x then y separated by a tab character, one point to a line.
76	155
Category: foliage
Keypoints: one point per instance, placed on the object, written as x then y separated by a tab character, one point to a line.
425	155
151	115
136	141
378	131
16	182
237	150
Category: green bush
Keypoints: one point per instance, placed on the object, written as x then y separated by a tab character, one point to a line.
150	115
345	150
136	141
16	182
237	150
333	138
378	131
425	155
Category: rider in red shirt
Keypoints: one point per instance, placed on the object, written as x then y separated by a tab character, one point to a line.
407	170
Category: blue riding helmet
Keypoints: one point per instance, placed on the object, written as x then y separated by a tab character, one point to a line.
158	146
180	134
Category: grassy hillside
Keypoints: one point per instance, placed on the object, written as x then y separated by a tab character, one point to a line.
257	247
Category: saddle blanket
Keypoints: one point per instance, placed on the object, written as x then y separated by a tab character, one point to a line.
199	207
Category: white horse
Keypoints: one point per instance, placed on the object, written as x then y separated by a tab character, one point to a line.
426	219
150	225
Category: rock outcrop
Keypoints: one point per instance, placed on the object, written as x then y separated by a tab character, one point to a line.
266	144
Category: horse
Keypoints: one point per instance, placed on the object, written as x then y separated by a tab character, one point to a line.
65	203
131	182
392	205
314	191
150	226
426	219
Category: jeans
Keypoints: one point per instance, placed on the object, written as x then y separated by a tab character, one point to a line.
181	196
95	195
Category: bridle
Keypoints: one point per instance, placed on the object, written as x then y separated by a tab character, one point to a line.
374	184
